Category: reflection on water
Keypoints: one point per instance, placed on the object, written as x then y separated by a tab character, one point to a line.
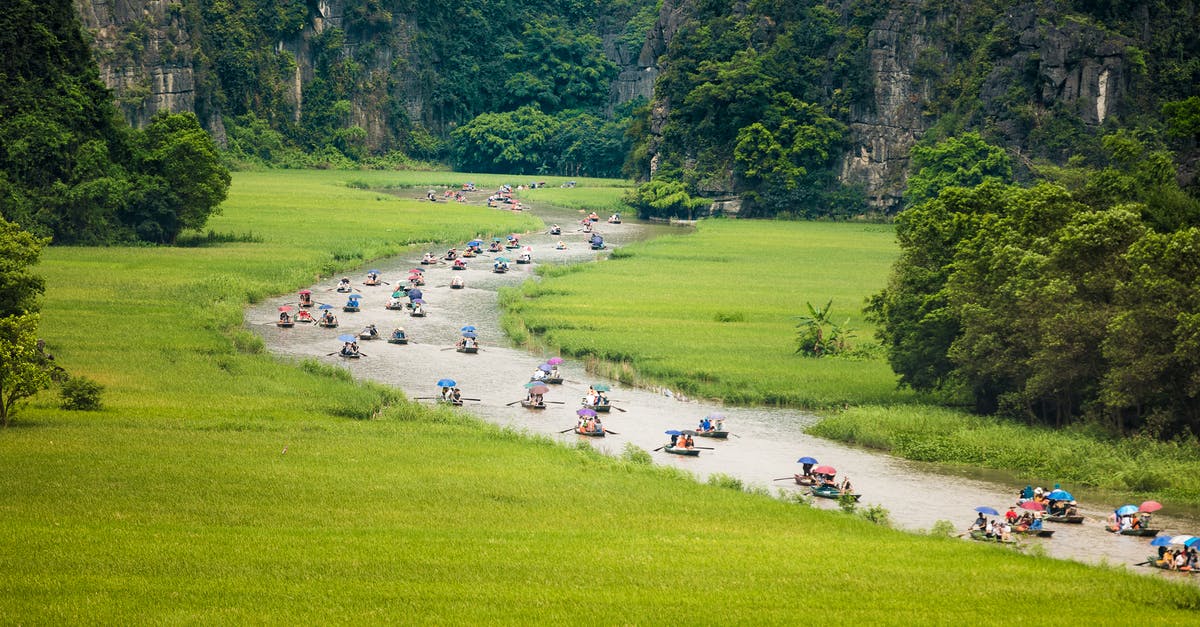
765	444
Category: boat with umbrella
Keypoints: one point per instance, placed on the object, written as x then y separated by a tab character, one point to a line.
1168	556
981	535
352	303
285	321
447	396
806	477
327	319
825	487
394	303
418	308
500	265
552	376
534	399
1129	520
599	402
348	350
679	450
305	298
713	426
372	278
468	343
589	425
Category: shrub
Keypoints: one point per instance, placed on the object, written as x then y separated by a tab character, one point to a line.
81	393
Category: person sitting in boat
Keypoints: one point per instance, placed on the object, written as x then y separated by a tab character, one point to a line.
452	254
456	395
538	375
555	229
614	218
284	317
428	258
1073	509
601	399
350	349
1025	494
495	247
593	217
705	425
372	277
327	318
688	442
394	301
846	487
560	245
457	281
304	316
352	302
806	469
370	331
674	440
1011	515
980	523
589	397
417	309
344	284
445	393
306	299
1035	524
398	334
459	264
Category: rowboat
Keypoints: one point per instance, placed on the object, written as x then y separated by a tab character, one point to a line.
553	380
1144	533
372	283
980	536
591	434
597	246
831	492
394	306
328	325
512	246
529	405
286	324
349	307
1063	518
456	286
345	289
499	269
804	480
417	313
1152	562
447	401
397	340
368	336
719	435
599	408
428	262
677	450
523	260
471	350
556	231
350	355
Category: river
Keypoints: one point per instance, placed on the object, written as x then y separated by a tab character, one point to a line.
765	444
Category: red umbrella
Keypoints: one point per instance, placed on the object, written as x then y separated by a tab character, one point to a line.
825	470
285	308
1033	505
306	291
1150	506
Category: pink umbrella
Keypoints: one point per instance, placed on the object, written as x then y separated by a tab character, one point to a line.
554	361
1150	506
1033	505
289	308
825	470
539	389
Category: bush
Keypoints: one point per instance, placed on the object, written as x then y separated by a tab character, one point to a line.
81	393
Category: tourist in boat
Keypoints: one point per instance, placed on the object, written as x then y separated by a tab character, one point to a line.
589	397
459	264
688	442
846	487
1035	523
593	217
445	393
398	334
428	258
705	425
452	254
394	301
538	375
344	284
553	374
327	318
1011	515
305	298
980	523
560	245
370	331
601	399
806	469
284	317
674	440
350	349
372	277
304	316
456	395
1025	494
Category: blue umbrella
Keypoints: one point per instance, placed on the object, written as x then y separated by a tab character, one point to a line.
1127	510
1161	541
806	460
983	509
446	383
511	238
469	327
325	307
1060	495
495	239
346	337
418	301
475	242
469	334
372	272
414	293
545	367
673	432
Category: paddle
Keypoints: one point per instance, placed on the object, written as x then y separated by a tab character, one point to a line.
659	448
1142	563
471	399
783	478
706	448
513	403
566	430
555	402
611	432
448	349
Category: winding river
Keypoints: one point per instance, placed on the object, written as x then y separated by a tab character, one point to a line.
766	442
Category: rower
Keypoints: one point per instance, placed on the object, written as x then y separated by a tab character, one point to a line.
398	334
456	395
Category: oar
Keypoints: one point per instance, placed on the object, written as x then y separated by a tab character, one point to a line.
566	430
513	403
471	399
623	411
449	349
707	448
659	448
611	432
555	402
782	478
424	398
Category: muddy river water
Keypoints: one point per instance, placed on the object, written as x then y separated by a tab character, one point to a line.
766	442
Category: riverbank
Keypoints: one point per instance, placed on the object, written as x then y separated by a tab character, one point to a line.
741	285
220	482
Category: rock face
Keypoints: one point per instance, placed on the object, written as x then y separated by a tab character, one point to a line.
145	55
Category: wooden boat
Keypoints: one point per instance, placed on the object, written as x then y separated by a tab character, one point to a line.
590	434
980	536
456	286
345	290
556	231
612	221
328	325
803	480
1141	532
1152	562
372	283
306	304
285	324
417	314
1063	518
459	266
469	253
349	308
679	450
599	408
553	380
597	246
428	262
350	355
511	246
719	435
529	405
447	401
831	492
470	350
368	336
397	340
397	306
499	269
524	260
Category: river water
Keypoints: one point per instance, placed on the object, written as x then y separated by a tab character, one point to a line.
766	442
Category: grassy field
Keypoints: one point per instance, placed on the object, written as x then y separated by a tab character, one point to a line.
222	485
723	324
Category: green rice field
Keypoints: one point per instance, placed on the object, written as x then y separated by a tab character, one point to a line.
223	485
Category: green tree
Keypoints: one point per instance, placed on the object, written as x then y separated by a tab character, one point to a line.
517	142
664	199
24	369
818	334
19	288
963	161
557	68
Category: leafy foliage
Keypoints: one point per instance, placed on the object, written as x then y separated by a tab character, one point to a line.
963	161
819	335
81	393
663	199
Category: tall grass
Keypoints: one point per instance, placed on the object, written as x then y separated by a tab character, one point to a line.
219	484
